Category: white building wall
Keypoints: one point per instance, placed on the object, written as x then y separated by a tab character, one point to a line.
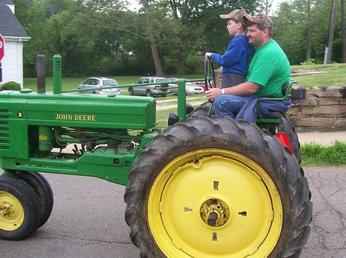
12	63
12	7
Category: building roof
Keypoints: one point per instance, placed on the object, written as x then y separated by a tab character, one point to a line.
9	25
6	2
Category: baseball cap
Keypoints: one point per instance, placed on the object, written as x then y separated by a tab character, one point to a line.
262	20
237	15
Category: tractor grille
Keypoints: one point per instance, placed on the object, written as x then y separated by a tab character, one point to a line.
4	139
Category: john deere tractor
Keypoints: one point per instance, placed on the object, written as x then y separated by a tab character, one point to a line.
204	187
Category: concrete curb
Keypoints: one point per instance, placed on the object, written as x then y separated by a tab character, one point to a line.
322	138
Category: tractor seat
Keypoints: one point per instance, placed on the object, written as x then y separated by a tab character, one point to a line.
274	117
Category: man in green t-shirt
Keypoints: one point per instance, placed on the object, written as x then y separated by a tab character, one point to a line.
268	72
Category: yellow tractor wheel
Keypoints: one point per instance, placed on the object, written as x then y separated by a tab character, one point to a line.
212	188
19	209
213	202
41	187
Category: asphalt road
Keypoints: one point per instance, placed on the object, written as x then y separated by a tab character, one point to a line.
87	220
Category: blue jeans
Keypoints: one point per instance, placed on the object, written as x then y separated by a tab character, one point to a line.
230	105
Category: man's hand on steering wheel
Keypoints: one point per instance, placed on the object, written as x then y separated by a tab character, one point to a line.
213	93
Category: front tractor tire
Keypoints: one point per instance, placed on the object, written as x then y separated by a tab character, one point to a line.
19	209
211	188
43	190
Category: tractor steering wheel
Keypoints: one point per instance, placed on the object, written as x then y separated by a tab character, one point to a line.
209	74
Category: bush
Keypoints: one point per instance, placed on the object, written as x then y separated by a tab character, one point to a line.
10	86
315	154
310	61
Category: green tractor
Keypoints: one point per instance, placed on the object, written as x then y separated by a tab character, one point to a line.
204	187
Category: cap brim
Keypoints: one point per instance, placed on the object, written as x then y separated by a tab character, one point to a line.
224	16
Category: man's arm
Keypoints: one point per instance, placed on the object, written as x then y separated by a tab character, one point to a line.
243	89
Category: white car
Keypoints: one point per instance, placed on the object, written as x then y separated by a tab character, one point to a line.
193	88
95	84
190	88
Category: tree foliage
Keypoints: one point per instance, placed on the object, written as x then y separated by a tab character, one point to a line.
292	27
104	37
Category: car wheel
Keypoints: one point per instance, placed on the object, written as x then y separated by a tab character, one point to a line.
131	93
148	93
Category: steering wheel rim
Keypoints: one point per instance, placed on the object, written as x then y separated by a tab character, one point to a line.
209	74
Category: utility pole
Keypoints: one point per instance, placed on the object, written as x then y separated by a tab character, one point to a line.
332	21
343	30
308	30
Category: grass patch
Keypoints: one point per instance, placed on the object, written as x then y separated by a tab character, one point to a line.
331	75
71	83
315	154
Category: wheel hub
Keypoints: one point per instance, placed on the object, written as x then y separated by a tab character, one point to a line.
5	209
11	212
215	212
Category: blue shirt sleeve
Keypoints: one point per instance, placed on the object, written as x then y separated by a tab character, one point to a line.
234	52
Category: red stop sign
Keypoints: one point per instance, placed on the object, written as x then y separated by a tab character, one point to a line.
2	47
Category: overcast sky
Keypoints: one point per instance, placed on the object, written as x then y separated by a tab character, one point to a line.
276	3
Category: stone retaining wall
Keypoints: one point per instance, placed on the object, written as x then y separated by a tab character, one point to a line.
320	109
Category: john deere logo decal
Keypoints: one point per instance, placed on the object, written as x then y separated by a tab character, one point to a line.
75	117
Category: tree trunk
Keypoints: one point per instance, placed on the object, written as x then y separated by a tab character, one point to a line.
267	6
155	53
331	32
156	58
343	30
174	8
309	32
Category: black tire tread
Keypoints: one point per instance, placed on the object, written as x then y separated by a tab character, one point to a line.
45	193
287	126
30	202
201	110
246	139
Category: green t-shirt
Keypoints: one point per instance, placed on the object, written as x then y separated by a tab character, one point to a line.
269	69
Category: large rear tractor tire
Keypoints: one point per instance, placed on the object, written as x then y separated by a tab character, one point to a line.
41	188
211	188
19	209
202	110
287	127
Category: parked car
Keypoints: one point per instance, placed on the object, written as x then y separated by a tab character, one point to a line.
158	87
190	87
95	85
193	88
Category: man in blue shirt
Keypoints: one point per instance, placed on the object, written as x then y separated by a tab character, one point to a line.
235	61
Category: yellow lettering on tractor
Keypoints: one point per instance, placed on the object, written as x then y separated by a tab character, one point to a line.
75	117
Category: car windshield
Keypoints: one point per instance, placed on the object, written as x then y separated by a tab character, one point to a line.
109	83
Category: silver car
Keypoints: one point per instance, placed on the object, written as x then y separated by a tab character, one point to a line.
95	84
158	87
190	88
